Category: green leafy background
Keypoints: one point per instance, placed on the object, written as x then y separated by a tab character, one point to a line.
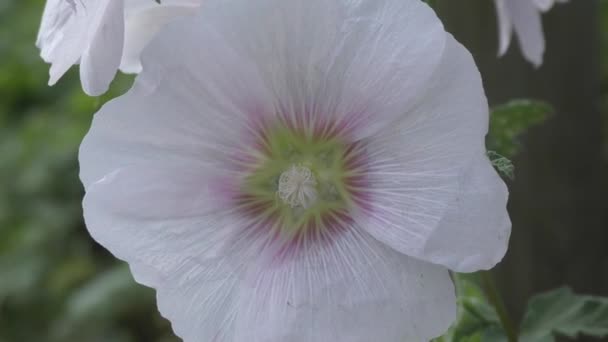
56	284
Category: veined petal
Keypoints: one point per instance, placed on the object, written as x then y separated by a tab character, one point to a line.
158	216
359	64
167	221
415	167
352	288
171	122
200	300
280	166
474	233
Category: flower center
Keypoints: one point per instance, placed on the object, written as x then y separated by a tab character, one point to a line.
301	187
297	187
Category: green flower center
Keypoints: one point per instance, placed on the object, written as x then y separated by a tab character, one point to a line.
299	179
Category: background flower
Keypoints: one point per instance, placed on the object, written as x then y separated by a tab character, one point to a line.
523	17
101	35
299	170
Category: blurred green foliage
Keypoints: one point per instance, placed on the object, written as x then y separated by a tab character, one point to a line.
56	284
556	313
510	120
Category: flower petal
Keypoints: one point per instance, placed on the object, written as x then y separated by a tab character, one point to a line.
525	18
546	5
505	26
100	59
415	168
350	289
62	35
168	222
200	300
360	64
143	20
474	233
529	29
157	216
170	122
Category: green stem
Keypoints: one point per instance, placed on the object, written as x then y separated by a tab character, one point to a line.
495	299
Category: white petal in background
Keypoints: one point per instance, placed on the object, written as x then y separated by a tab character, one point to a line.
101	57
62	36
102	35
523	17
545	5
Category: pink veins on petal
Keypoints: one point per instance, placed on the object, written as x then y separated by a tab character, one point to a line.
300	182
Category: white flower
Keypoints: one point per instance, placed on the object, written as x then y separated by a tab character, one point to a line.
102	35
299	170
523	17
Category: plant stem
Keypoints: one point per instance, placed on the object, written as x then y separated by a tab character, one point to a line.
495	299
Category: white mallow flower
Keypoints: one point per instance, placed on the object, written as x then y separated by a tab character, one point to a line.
102	35
299	170
523	17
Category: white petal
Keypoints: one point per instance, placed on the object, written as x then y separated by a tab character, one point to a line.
169	123
528	27
101	58
62	35
53	17
544	5
143	20
505	26
348	290
474	233
212	282
524	17
415	167
363	62
157	216
200	301
168	222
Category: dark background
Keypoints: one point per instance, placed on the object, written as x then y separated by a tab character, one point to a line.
559	200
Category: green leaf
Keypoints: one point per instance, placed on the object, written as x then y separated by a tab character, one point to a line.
502	164
562	312
510	120
477	319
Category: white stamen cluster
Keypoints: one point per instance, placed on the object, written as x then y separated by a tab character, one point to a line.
297	187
